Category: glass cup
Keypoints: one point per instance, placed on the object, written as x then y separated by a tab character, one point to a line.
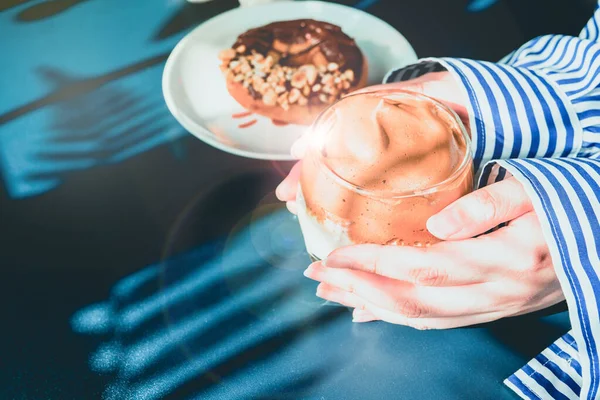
378	165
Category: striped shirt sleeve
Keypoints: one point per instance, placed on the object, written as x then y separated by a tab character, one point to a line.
536	116
555	370
566	196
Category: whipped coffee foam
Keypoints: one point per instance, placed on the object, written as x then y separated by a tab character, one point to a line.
381	164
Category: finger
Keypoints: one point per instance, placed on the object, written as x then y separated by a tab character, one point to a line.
405	299
300	147
433	323
438	265
331	293
336	295
287	190
362	316
481	210
376	289
292	207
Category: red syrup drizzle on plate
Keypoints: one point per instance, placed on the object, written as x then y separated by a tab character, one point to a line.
244	115
247	124
277	122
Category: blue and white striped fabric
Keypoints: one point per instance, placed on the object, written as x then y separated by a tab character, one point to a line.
536	116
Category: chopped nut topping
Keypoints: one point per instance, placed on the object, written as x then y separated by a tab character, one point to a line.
283	101
299	79
311	73
257	82
269	62
227	54
275	56
269	98
263	88
306	91
294	95
327	79
349	74
273	79
245	68
332	67
265	78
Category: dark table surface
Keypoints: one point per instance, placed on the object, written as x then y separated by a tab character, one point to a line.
140	263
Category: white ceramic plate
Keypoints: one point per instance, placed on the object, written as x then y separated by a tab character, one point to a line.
195	89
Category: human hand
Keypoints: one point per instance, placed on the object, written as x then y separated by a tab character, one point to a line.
459	282
438	85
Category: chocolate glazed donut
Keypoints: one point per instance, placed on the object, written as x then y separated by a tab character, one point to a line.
291	71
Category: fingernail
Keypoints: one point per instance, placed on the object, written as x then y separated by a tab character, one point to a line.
312	271
348	257
360	316
337	260
292	207
444	225
298	148
320	292
278	191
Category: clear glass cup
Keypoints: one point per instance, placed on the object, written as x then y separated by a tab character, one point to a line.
351	196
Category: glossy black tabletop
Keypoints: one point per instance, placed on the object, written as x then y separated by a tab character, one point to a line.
140	263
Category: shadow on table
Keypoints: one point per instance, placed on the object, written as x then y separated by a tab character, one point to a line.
217	322
95	127
99	126
235	319
529	335
88	118
188	15
85	123
42	10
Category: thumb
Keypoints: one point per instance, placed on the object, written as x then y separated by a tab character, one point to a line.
480	211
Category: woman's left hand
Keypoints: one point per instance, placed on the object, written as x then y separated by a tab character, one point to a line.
462	281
